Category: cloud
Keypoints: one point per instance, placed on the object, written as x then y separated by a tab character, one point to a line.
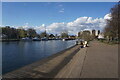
62	10
43	25
40	28
107	16
57	28
81	23
73	27
24	27
60	5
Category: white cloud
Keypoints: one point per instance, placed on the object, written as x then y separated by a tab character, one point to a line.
43	25
23	27
60	5
81	23
62	10
107	16
73	27
40	28
57	27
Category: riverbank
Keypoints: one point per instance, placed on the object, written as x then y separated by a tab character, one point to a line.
99	60
12	40
46	68
109	42
7	40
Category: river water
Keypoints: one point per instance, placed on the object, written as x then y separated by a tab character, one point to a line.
18	54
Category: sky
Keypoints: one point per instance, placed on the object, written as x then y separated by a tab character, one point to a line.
56	16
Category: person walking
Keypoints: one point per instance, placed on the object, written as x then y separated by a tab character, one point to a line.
85	43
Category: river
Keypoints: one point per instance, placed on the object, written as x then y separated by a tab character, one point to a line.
18	54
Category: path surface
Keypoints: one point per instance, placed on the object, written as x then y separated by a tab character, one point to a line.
74	67
99	60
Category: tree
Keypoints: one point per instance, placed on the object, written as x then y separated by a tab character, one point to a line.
112	28
44	34
64	35
86	35
31	33
11	33
93	34
79	35
22	33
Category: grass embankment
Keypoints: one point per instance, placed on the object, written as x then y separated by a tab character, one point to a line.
109	42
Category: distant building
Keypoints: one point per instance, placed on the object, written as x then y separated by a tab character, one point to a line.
94	32
97	32
79	34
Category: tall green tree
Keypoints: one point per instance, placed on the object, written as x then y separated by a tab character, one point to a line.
86	35
44	34
11	33
22	33
64	35
31	33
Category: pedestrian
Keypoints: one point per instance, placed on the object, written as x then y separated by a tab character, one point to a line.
82	44
85	43
76	42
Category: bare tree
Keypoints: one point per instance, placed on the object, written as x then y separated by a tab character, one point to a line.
112	28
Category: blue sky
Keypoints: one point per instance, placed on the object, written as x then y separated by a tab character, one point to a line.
37	13
56	16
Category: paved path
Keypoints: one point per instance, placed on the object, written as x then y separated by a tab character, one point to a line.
74	67
99	60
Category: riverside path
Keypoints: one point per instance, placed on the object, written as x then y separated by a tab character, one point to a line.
99	60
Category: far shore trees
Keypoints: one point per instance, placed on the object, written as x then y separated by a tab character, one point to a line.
12	33
22	33
31	33
64	35
44	34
